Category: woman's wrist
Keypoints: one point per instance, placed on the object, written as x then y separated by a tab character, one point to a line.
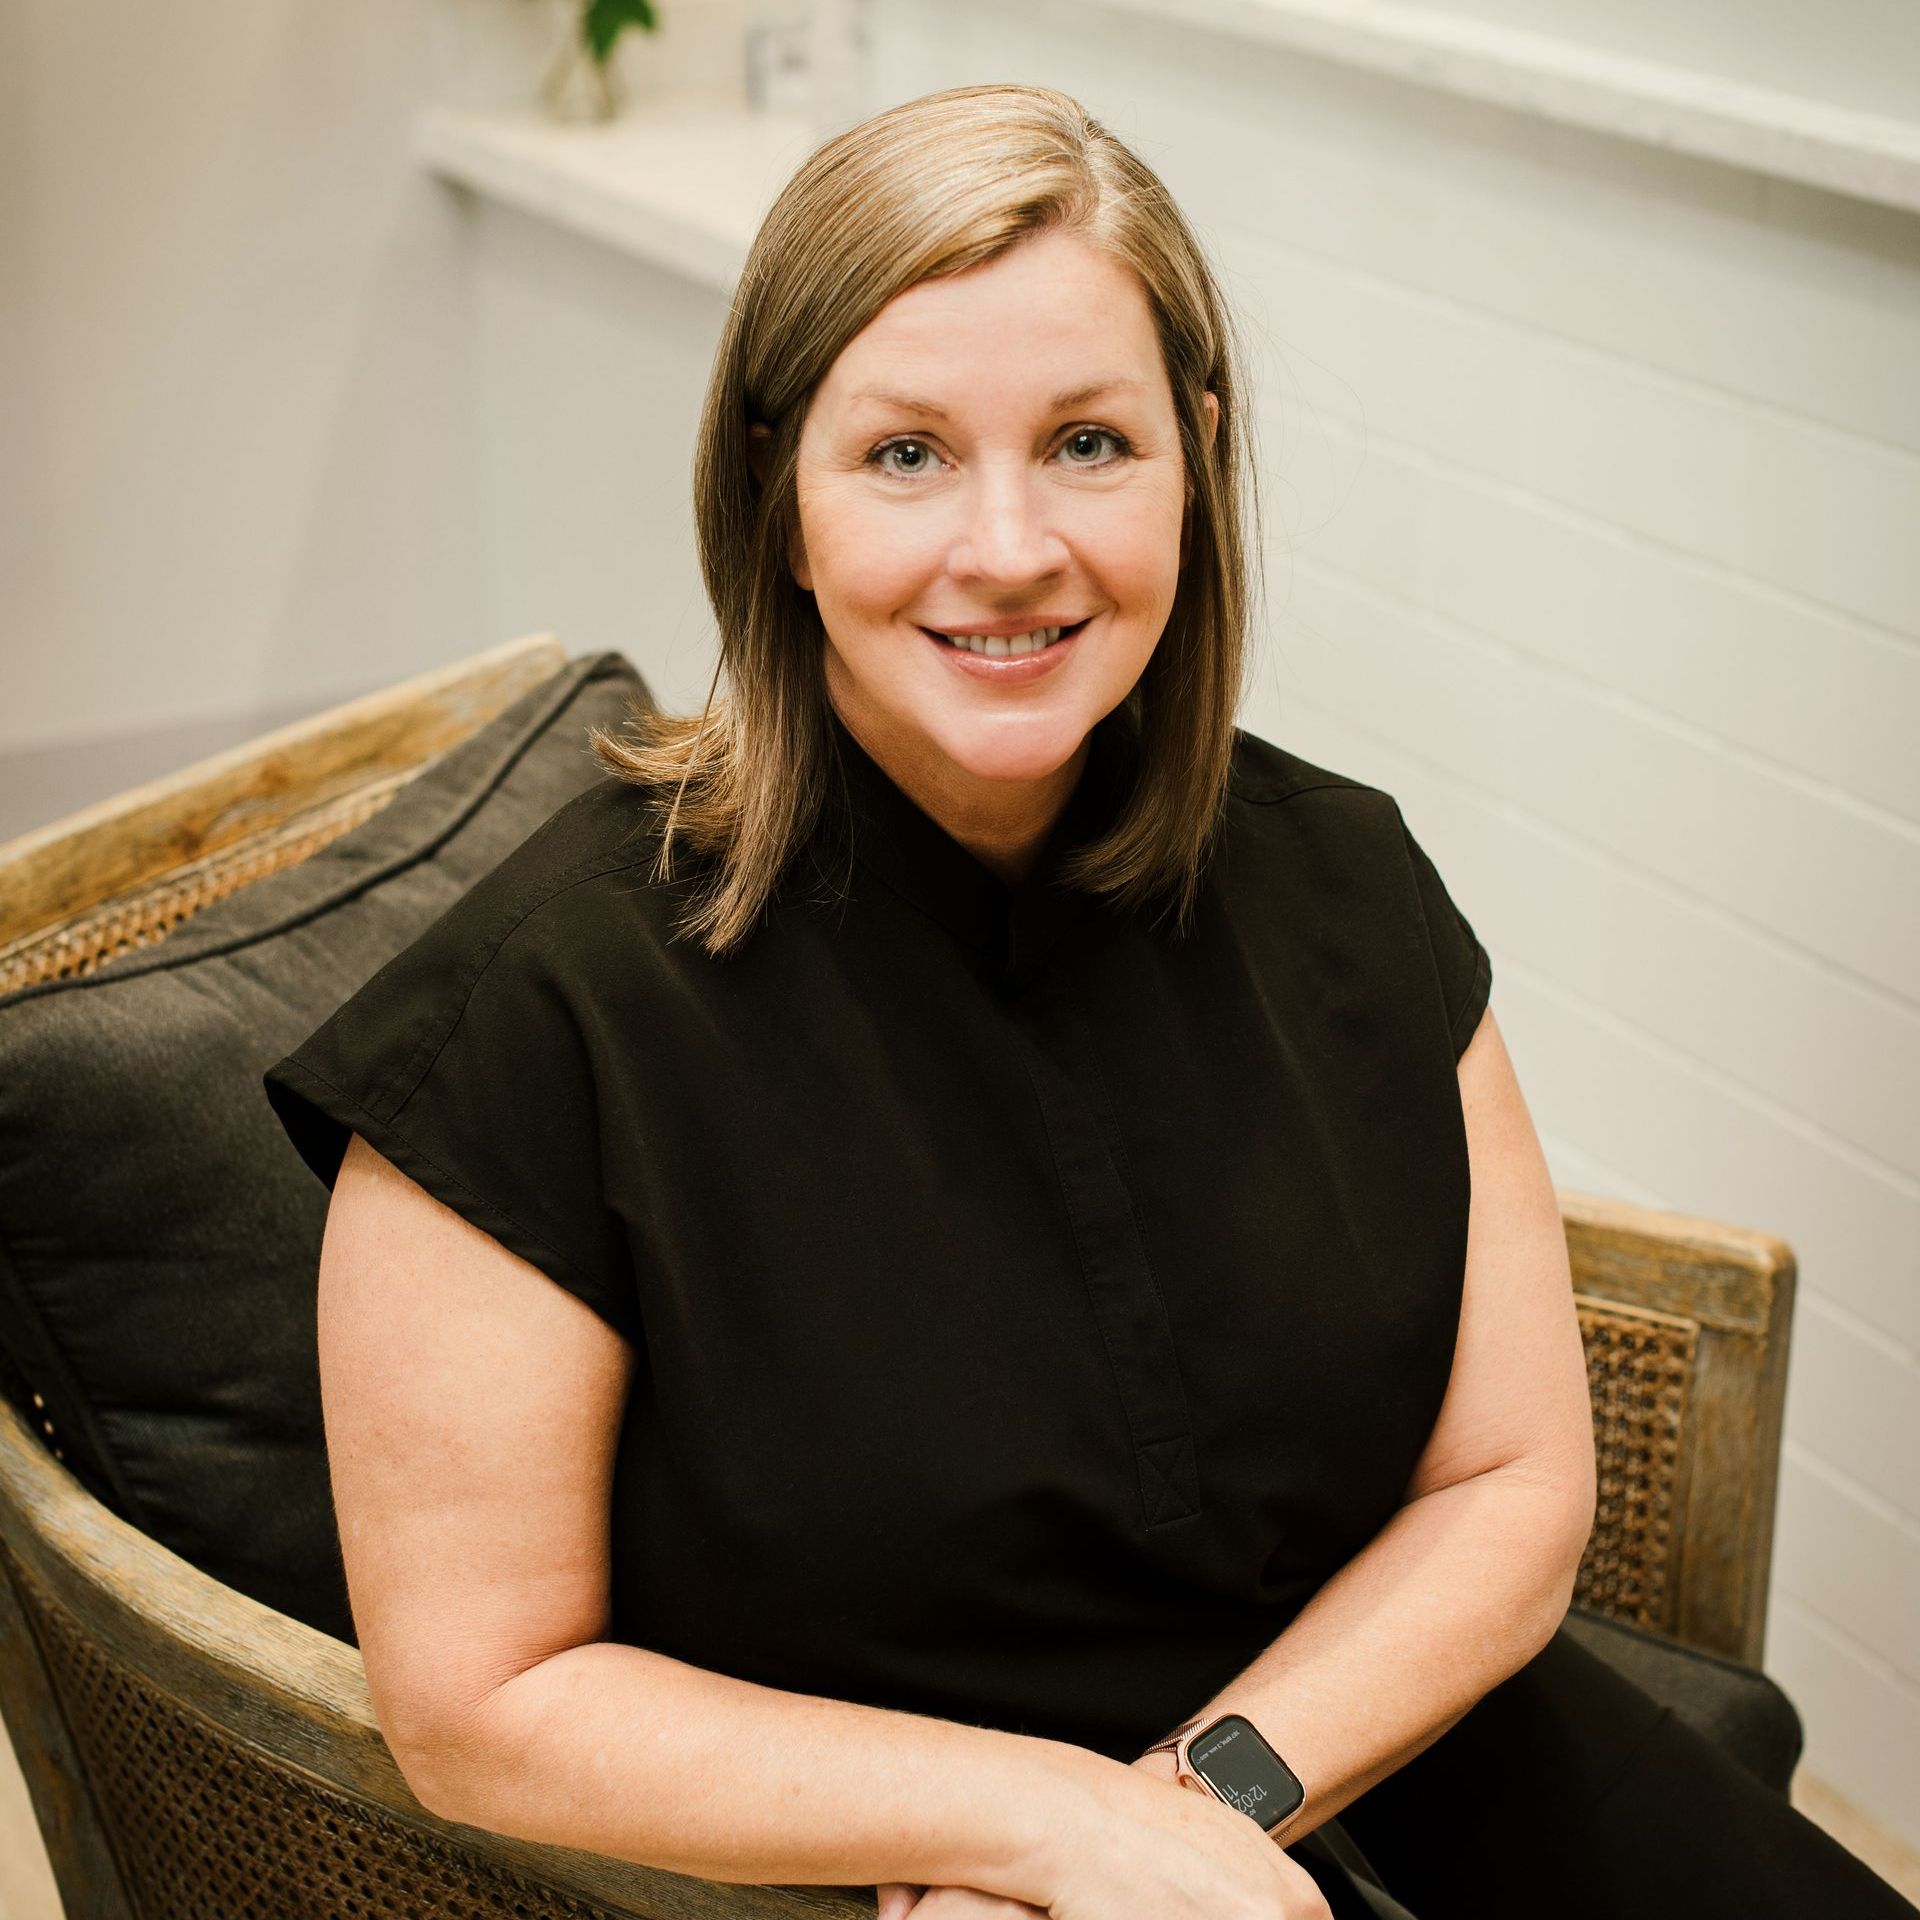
1161	1765
1085	1792
1082	1793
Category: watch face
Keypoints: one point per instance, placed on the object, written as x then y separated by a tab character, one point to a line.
1232	1758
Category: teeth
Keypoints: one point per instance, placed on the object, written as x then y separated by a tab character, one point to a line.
999	647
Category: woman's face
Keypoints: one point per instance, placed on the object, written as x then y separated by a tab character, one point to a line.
995	452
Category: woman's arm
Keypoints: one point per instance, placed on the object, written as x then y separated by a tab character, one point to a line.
473	1409
1472	1575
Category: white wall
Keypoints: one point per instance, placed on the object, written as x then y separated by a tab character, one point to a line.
589	372
239	472
268	439
1595	479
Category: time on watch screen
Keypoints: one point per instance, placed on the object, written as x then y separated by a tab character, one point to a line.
1239	1766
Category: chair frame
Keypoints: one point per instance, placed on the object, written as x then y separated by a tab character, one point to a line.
1699	1309
291	1696
124	872
1727	1291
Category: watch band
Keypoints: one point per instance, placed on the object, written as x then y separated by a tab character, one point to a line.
1172	1742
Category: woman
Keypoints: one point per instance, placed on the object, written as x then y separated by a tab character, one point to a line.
1049	1245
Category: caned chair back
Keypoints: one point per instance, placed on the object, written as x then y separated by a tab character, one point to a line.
1686	1324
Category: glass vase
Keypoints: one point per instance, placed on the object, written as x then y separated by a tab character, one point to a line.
577	87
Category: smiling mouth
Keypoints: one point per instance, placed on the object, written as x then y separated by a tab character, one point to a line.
1013	647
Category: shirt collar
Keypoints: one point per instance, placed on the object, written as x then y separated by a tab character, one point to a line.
1010	929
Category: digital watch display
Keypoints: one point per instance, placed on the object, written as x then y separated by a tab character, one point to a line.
1229	1758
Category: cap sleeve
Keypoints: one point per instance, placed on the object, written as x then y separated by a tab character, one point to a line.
463	1063
1462	963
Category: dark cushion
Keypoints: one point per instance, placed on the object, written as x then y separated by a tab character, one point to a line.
159	1234
1737	1707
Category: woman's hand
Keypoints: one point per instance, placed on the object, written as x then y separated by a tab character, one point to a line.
1127	1849
897	1900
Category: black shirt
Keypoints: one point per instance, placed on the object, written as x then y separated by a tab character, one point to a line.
1033	1307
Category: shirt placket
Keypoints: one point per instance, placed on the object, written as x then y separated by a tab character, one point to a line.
1122	1290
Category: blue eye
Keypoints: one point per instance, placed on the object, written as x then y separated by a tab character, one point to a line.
1097	433
880	452
1080	435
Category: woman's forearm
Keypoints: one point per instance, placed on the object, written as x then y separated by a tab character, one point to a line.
1460	1589
622	1751
631	1753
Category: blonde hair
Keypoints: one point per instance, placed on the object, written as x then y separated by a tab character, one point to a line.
931	187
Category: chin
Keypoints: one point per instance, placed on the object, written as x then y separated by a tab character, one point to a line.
1033	749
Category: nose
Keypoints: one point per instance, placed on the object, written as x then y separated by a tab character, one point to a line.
1008	540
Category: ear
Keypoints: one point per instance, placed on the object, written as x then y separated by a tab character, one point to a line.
759	449
1213	416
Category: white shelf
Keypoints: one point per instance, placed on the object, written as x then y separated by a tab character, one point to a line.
1868	156
683	185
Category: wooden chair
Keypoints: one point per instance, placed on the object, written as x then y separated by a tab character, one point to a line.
1686	1325
191	1752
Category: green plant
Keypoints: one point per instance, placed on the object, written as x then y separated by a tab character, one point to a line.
603	21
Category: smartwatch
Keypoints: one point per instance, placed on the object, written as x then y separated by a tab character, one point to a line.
1227	1757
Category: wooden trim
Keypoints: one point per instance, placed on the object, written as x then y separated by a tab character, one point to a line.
72	865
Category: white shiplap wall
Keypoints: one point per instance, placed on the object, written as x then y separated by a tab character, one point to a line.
1593	484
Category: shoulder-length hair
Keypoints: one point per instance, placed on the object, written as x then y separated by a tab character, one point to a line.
931	187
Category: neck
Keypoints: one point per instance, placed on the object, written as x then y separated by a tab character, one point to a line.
1002	823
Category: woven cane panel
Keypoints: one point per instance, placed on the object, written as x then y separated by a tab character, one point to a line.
149	912
1639	1370
205	1828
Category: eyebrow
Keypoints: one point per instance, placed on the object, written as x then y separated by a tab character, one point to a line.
1073	397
